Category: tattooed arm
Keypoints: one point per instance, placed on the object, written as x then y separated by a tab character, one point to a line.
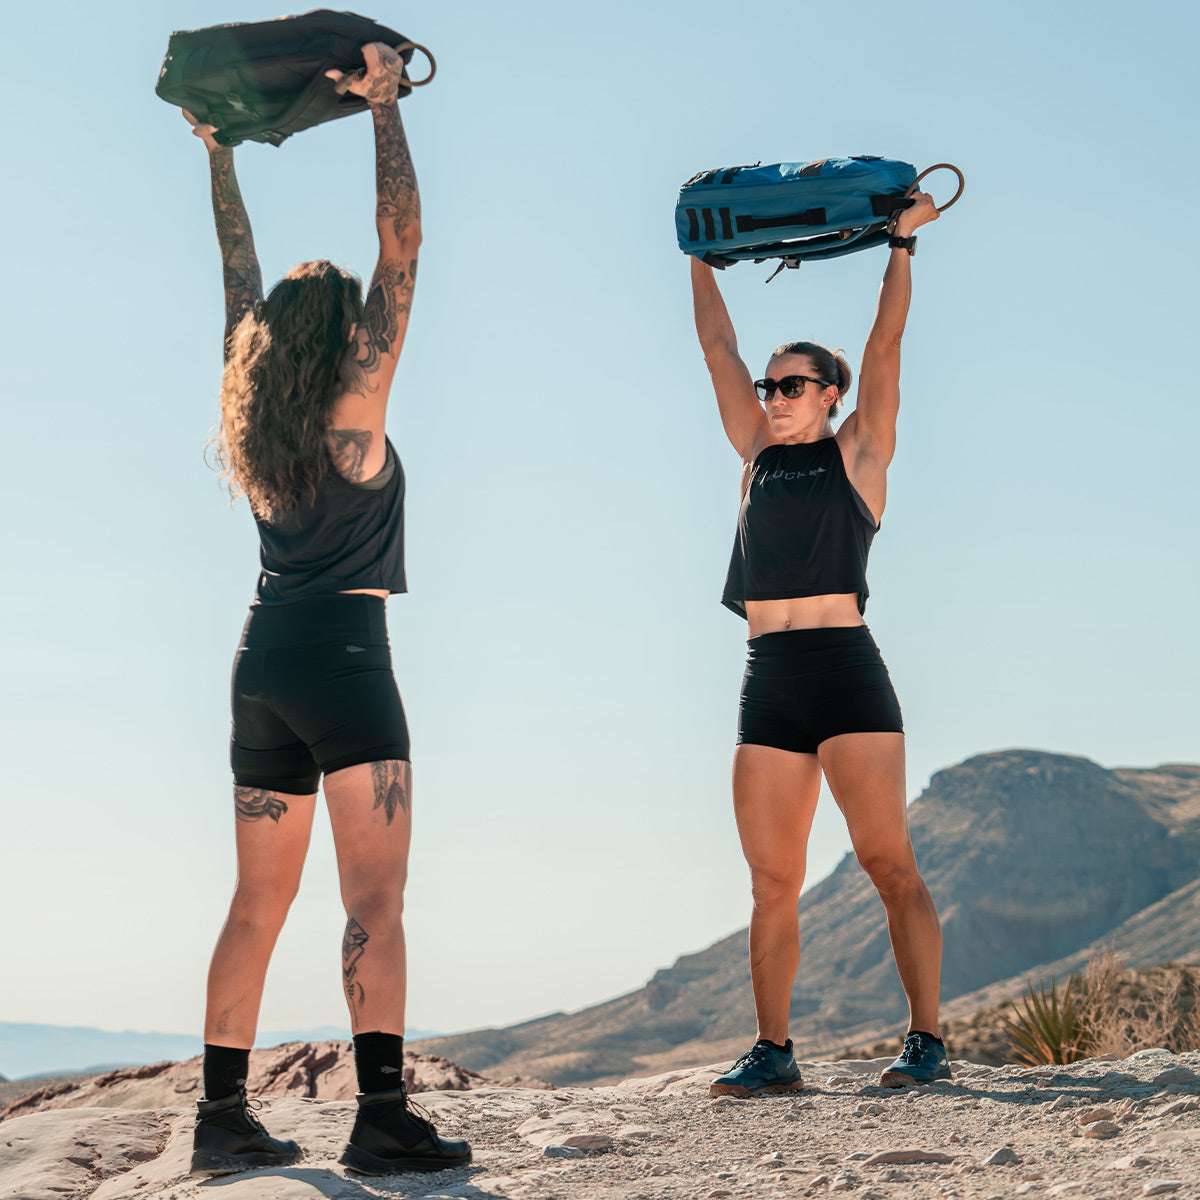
242	274
357	416
243	277
398	222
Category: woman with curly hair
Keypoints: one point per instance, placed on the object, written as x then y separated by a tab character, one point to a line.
303	401
816	698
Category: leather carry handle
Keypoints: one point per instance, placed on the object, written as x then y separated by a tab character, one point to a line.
343	85
941	167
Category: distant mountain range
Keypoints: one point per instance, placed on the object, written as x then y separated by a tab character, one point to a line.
32	1051
1035	861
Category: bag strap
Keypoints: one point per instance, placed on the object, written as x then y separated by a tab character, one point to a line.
941	167
891	225
830	245
343	85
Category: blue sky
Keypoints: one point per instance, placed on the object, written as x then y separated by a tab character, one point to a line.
569	674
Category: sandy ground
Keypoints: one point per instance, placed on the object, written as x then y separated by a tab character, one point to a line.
1101	1128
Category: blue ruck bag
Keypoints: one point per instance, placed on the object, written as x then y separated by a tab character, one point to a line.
791	211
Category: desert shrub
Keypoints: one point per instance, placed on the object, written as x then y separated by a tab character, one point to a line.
1045	1029
1107	1009
1125	1011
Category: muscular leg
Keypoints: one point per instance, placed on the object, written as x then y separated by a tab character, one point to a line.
865	772
370	809
774	800
272	839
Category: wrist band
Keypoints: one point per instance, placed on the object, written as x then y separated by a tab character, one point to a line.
904	243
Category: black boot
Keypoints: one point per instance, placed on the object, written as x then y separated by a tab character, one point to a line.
389	1137
229	1137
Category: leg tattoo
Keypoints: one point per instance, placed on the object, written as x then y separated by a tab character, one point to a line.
393	786
354	945
252	804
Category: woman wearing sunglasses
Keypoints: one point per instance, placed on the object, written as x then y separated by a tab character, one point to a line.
816	697
308	370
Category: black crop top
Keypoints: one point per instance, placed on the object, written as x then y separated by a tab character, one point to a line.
351	535
802	529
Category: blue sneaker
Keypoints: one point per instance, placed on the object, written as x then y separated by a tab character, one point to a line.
764	1070
921	1061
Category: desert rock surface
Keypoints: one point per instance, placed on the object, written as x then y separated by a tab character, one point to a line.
1099	1128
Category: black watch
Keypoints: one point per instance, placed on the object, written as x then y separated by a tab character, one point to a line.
900	243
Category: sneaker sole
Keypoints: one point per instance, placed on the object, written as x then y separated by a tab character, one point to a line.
208	1163
366	1163
736	1089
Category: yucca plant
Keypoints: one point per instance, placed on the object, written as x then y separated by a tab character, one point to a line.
1046	1029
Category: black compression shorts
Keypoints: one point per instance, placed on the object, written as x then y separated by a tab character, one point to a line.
805	685
313	692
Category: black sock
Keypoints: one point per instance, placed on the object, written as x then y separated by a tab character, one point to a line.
378	1061
225	1070
786	1047
928	1035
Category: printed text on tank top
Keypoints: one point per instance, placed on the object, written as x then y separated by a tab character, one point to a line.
799	558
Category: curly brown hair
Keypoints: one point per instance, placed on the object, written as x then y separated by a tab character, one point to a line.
280	379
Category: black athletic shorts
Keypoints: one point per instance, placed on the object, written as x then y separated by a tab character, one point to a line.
313	692
805	685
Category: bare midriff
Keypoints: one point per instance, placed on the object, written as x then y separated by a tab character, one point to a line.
382	593
802	612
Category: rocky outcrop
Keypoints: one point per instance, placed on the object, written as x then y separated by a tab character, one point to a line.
1034	859
313	1070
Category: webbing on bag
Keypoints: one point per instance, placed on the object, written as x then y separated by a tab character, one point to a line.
811	216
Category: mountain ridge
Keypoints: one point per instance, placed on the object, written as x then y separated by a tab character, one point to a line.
1032	858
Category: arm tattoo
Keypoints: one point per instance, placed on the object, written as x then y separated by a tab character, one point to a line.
354	945
243	276
396	196
393	786
383	86
252	804
348	448
389	298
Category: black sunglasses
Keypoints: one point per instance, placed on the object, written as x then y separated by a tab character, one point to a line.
790	386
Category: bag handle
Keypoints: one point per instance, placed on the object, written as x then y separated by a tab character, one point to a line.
343	85
941	167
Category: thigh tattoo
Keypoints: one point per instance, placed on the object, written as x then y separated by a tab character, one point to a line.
393	786
252	804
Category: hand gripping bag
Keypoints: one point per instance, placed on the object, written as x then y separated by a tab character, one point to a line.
792	211
264	81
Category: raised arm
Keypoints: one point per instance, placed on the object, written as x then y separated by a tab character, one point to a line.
380	336
243	276
741	414
870	430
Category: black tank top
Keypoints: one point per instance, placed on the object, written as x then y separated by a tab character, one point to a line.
802	529
351	535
